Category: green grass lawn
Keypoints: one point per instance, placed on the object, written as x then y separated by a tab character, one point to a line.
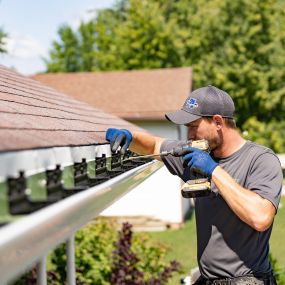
277	242
183	243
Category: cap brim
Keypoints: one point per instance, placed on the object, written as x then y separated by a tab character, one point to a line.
181	117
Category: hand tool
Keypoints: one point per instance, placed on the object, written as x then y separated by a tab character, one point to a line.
177	151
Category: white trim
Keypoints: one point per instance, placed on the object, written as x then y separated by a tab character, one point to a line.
40	160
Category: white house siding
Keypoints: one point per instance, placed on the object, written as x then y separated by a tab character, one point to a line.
159	196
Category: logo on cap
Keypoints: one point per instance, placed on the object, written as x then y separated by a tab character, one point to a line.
191	103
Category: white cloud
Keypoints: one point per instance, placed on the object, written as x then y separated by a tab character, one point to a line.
89	12
84	16
24	47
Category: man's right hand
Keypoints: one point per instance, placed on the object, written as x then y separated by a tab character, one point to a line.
119	137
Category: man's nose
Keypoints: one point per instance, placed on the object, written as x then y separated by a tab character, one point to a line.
191	134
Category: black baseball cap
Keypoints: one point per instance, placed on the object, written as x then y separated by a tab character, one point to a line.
203	102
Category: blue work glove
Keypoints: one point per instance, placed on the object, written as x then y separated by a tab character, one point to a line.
119	137
199	160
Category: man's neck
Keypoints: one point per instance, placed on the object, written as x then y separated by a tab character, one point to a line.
232	142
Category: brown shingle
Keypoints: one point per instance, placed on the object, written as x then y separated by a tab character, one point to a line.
33	115
144	94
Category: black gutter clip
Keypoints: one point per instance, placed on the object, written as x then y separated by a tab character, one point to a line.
18	199
21	203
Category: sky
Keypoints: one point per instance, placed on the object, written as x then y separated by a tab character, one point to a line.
32	25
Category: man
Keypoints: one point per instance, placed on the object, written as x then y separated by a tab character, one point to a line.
235	222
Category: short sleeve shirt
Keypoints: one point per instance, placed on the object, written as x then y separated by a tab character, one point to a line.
228	247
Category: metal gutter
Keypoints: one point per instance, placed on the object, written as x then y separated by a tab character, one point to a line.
33	179
25	241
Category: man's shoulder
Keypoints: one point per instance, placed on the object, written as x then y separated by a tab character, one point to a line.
258	148
263	153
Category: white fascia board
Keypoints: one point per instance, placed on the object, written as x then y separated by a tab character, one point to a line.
40	160
83	152
103	149
63	156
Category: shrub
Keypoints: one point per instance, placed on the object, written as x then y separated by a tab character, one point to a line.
126	267
93	249
99	258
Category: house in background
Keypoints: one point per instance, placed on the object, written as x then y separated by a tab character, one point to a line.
140	97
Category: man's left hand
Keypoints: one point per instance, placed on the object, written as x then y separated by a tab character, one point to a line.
200	161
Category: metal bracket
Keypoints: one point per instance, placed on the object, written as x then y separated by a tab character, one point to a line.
129	164
18	199
55	187
101	172
116	165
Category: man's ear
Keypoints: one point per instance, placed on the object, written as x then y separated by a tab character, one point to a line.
218	120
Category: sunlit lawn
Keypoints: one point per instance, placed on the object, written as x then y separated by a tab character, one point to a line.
183	243
277	242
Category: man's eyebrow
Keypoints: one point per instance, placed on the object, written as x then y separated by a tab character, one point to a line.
193	123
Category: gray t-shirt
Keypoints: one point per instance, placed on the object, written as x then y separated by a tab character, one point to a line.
228	247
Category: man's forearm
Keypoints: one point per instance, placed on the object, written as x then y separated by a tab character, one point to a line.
251	208
143	143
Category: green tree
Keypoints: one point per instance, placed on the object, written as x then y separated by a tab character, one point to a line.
242	51
238	46
65	53
137	35
74	51
3	35
86	46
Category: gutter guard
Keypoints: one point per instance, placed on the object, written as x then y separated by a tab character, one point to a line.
25	241
33	179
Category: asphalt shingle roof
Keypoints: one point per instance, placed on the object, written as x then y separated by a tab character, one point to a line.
33	115
142	95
